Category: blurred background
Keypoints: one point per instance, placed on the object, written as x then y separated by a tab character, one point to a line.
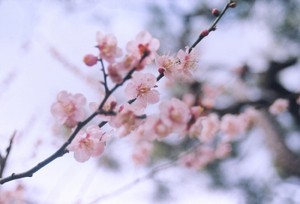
254	52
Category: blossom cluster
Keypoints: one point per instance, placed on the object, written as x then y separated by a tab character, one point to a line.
187	117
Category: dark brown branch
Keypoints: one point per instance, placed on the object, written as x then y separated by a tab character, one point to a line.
60	152
287	162
104	77
3	160
211	28
63	149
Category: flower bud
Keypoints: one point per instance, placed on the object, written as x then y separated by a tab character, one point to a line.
204	33
161	70
215	12
113	104
90	60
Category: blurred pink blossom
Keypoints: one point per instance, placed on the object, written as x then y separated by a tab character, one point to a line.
125	120
108	47
143	45
232	125
210	127
89	143
69	108
169	64
175	114
188	62
280	105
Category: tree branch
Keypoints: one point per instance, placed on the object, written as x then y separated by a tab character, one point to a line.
60	152
285	159
63	149
211	28
3	160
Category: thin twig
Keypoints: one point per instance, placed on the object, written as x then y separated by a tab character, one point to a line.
211	28
4	159
104	77
60	152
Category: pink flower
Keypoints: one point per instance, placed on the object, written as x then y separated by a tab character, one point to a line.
143	45
233	125
107	45
155	128
175	114
130	61
205	128
125	121
199	158
279	106
115	73
188	62
196	129
210	94
223	150
210	127
109	105
169	64
89	143
142	88
69	109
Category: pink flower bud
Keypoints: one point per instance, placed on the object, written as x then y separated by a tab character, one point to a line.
204	33
215	12
113	104
161	70
90	60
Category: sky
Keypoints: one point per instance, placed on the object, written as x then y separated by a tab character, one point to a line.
42	46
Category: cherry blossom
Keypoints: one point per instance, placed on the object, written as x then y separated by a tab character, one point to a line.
125	120
232	125
145	46
169	65
69	109
157	128
142	88
108	106
107	45
210	94
223	149
189	99
114	73
130	61
199	158
89	143
210	127
280	105
188	62
175	113
205	128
